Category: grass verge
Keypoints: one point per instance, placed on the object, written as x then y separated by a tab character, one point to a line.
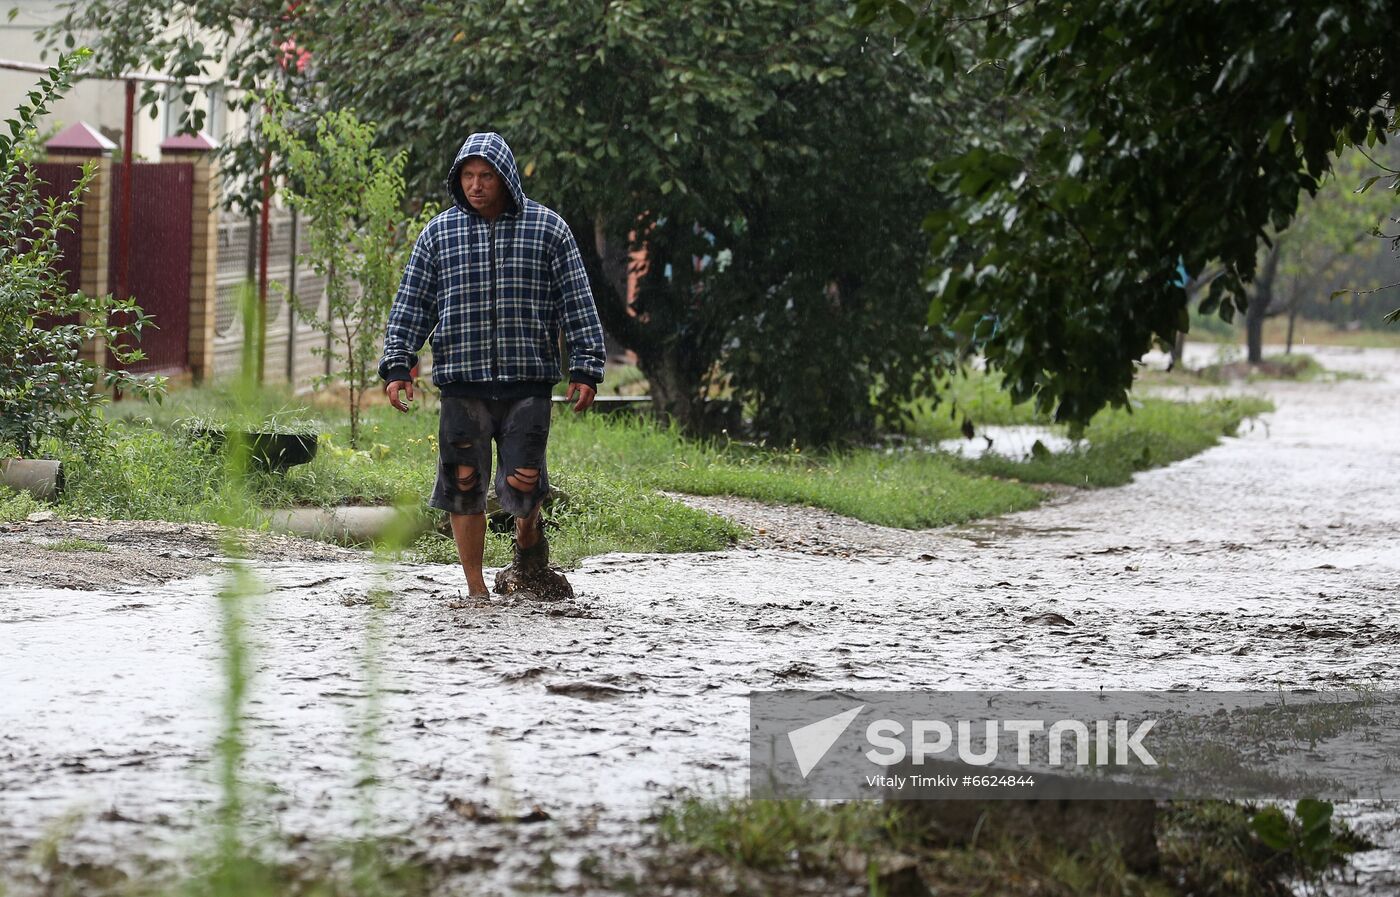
744	847
747	848
1119	442
16	505
154	470
610	468
1308	332
1294	366
911	490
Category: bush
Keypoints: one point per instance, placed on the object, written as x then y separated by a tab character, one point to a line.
46	387
360	242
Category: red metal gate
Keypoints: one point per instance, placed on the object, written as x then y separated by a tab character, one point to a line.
158	276
57	180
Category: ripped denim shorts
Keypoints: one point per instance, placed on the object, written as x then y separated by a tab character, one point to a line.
466	427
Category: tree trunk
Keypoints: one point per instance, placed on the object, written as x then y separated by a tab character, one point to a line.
1191	287
1293	305
1254	333
675	393
605	261
674	369
353	406
1259	304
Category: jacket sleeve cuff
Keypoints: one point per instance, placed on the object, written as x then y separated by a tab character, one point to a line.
585	378
396	373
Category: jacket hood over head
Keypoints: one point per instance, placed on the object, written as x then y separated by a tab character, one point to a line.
493	148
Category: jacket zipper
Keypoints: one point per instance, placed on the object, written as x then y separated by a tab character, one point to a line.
491	260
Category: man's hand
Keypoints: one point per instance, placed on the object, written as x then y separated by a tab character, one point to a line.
393	391
585	395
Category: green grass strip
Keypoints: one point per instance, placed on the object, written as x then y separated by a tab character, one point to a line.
610	468
1120	442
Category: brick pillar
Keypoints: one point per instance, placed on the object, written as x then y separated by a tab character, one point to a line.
204	246
78	144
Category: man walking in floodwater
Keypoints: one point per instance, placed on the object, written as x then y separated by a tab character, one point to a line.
494	279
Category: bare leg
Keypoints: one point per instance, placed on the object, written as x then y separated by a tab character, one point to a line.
469	532
525	479
527	532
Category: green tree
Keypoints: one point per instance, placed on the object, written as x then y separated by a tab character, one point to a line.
823	287
47	389
352	195
1182	134
674	126
1324	249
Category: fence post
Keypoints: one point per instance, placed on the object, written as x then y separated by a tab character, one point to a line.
292	305
204	246
77	144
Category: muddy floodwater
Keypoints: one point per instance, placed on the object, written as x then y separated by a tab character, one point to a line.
1270	560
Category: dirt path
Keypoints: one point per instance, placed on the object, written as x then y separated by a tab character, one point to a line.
1268	560
50	552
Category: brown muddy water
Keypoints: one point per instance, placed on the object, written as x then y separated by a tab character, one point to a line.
1267	561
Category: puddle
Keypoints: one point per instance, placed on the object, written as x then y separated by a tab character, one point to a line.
1216	573
1009	442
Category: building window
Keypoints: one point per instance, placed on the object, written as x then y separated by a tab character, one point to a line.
175	109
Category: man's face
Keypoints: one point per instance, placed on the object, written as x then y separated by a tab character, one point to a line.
483	187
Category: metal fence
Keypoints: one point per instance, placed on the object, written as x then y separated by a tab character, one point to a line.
290	301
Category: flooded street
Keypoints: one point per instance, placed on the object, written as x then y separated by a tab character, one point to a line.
1270	560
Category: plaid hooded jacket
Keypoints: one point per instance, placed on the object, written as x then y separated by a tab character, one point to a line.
494	295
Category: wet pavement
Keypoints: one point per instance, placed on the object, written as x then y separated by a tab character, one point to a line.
1269	560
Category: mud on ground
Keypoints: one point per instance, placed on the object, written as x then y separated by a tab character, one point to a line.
87	554
1268	561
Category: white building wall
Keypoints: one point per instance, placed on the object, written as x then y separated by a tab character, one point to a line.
101	104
